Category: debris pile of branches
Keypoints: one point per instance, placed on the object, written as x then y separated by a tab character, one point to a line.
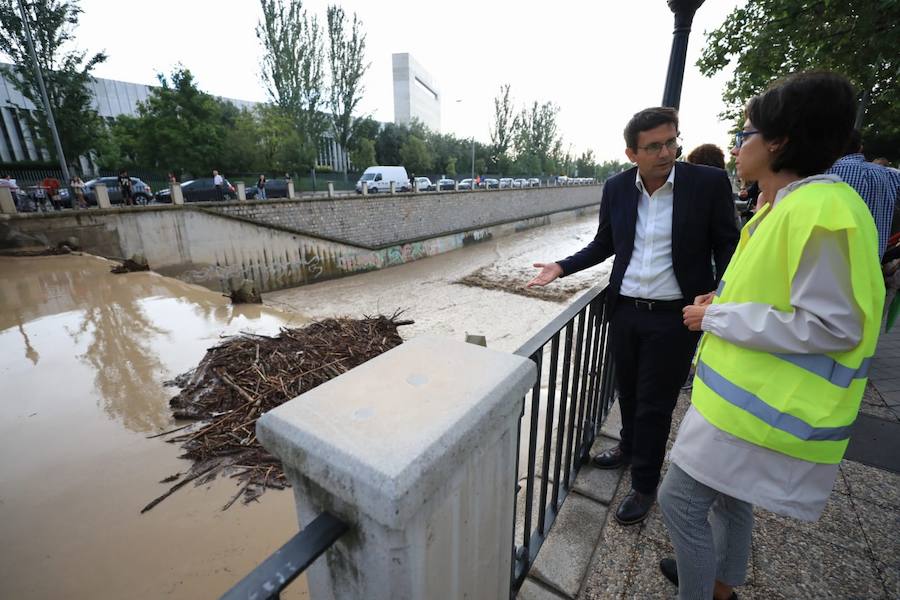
247	375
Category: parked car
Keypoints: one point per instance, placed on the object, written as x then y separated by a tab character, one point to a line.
505	182
489	183
424	184
520	183
139	190
198	190
534	182
466	184
446	184
378	179
275	188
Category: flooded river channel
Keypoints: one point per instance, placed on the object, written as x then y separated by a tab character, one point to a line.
83	358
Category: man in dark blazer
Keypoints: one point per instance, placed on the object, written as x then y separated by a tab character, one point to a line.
671	226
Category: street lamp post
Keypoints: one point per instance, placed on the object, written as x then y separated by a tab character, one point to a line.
47	108
684	15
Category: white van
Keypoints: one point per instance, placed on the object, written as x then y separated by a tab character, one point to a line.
379	180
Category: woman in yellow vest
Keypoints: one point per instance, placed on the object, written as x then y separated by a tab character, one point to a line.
788	338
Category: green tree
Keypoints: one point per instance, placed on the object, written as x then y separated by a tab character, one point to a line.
346	57
767	39
388	143
292	69
585	164
450	169
502	130
415	155
608	168
537	142
179	127
66	73
363	156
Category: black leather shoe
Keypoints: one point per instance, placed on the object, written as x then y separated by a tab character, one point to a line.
612	458
634	508
670	569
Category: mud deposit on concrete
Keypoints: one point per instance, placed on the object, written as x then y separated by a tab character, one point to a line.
513	282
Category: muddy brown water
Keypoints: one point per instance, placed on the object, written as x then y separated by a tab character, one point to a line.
83	354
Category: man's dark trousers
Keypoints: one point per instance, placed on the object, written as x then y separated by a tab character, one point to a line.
653	351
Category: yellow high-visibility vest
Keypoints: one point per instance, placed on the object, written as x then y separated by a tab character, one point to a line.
802	405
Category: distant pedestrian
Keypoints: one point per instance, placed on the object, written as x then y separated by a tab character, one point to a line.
218	181
125	188
77	186
261	188
51	187
707	154
171	178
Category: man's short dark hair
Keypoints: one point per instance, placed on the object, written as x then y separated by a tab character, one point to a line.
707	154
813	112
647	119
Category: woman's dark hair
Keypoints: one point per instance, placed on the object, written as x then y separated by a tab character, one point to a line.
647	119
707	154
813	112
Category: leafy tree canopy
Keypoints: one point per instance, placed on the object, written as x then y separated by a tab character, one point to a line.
767	39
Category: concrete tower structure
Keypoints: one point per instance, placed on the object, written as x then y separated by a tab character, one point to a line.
416	95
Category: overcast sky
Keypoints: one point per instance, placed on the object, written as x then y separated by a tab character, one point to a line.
599	61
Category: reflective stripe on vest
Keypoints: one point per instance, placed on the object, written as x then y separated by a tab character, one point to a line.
828	368
771	416
721	287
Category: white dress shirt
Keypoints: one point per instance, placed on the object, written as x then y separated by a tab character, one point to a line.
218	180
649	274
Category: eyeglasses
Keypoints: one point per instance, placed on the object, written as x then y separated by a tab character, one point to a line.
740	136
655	148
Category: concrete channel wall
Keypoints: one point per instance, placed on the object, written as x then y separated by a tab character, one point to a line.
288	243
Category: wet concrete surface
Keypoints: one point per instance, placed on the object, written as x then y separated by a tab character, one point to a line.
83	354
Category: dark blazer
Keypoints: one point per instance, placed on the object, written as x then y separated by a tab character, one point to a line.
703	228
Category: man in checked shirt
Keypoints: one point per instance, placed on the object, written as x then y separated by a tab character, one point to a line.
878	186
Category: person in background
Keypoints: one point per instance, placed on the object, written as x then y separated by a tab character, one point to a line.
782	365
878	186
51	187
261	188
171	178
218	182
77	186
125	188
707	154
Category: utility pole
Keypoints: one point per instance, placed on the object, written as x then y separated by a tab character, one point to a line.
47	108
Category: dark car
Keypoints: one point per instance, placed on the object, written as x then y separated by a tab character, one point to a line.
489	183
275	188
446	184
139	190
199	190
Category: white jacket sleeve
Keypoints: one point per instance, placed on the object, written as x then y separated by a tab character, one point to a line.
825	317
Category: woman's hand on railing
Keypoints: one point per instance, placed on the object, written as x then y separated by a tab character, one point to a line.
549	272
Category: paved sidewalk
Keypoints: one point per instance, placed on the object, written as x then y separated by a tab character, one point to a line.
853	551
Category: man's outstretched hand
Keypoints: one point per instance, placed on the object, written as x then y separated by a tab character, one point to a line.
549	272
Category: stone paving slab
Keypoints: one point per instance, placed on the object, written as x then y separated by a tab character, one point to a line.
566	553
532	590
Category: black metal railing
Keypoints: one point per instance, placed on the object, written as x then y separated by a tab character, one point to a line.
275	573
579	392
